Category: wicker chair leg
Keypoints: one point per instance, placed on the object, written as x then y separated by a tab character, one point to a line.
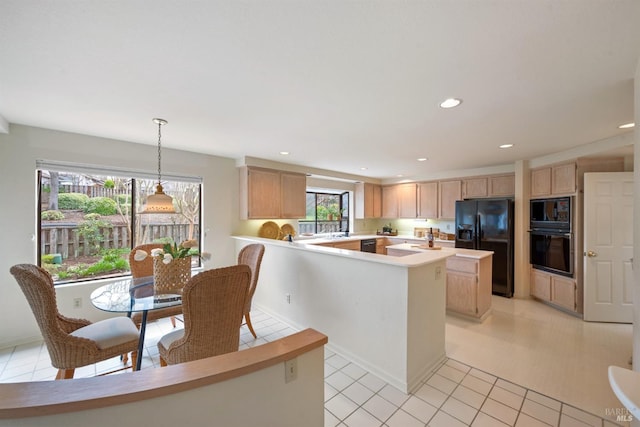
173	321
134	360
247	318
125	358
65	374
162	362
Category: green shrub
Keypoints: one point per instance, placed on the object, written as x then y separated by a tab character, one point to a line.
101	205
72	201
92	216
51	215
109	183
91	231
47	259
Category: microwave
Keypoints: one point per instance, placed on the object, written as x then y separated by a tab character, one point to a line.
554	213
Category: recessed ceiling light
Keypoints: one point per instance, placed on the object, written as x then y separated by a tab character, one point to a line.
284	153
399	175
506	146
450	103
423	159
626	126
363	169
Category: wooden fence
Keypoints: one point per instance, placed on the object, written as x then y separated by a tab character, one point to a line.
65	239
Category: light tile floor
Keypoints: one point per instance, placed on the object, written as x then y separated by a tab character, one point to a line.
455	394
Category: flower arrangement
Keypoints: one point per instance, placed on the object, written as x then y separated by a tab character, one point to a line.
170	252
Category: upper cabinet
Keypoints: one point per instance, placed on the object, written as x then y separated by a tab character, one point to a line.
475	187
553	180
368	203
489	186
449	192
428	200
268	193
502	185
399	201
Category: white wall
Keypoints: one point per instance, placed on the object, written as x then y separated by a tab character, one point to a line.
19	150
261	398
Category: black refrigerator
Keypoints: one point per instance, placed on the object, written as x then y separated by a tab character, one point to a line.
487	224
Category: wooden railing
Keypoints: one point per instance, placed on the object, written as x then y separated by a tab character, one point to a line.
65	239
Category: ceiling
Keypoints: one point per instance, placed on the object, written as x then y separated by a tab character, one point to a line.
341	85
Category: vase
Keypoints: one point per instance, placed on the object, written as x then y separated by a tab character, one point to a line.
171	278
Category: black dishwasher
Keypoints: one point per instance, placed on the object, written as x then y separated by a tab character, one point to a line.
368	245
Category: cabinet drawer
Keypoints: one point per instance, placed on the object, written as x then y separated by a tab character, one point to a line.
464	265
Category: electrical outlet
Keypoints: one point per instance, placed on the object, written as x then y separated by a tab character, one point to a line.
290	370
287	298
77	303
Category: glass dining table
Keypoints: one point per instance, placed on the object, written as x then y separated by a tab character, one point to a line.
133	295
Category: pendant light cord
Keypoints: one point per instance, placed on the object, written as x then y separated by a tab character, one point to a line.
159	155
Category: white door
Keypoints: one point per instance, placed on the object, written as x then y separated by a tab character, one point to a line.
608	247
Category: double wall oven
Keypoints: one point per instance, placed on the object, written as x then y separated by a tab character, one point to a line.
551	235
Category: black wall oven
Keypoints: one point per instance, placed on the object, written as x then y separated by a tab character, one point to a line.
551	237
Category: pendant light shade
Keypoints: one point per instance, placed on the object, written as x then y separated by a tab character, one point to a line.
159	202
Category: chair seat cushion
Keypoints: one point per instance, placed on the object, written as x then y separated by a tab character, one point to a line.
169	338
110	332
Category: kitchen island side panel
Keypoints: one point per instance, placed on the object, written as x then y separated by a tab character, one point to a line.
364	307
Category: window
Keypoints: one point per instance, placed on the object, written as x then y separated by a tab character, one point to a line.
326	213
88	221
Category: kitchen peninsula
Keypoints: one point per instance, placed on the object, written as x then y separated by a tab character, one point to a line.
385	313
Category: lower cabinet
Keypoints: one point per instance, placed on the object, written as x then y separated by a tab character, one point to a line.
557	290
469	285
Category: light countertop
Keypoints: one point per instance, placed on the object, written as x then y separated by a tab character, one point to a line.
466	253
412	260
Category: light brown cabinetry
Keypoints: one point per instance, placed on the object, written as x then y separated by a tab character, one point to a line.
399	201
489	186
469	285
449	192
502	185
353	245
553	180
475	187
428	200
381	246
268	193
368	200
557	290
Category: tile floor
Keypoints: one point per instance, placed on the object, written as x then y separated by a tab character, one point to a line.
455	394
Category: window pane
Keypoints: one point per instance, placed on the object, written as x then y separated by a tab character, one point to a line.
88	223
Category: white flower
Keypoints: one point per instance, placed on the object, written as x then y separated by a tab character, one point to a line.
140	255
157	252
167	259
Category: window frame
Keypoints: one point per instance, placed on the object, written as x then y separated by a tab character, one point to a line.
134	216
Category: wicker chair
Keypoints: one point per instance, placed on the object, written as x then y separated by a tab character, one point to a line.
72	343
251	255
144	268
212	303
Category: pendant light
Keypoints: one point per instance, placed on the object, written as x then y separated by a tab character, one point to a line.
159	202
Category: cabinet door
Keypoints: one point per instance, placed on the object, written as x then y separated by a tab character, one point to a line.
368	200
449	192
474	187
462	292
407	200
540	182
428	200
563	292
563	179
263	193
390	201
381	246
353	245
540	285
502	185
293	195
